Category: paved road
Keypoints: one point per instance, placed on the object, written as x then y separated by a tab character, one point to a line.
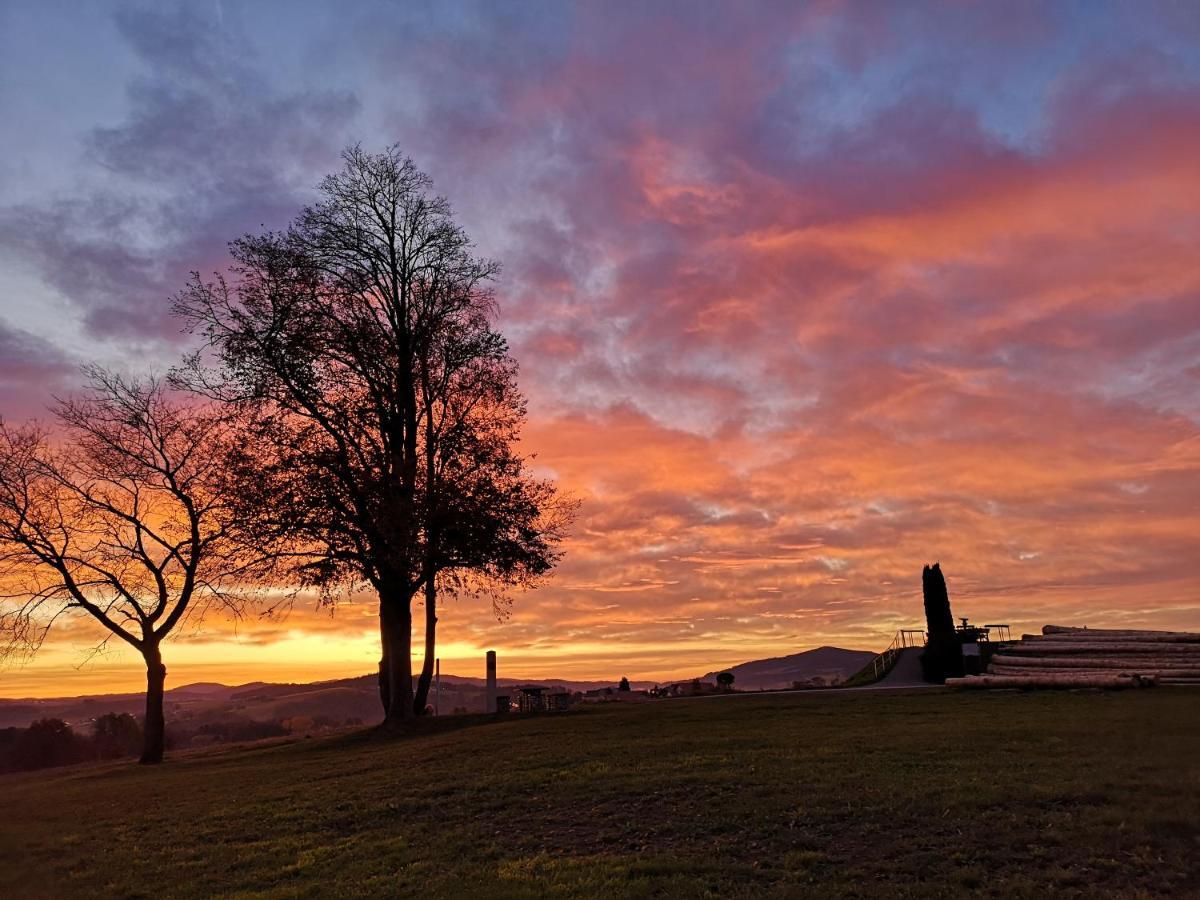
905	673
905	676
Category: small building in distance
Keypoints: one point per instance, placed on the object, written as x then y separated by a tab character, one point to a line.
539	698
695	687
531	697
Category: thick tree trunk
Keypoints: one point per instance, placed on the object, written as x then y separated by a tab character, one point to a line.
154	726
422	697
395	667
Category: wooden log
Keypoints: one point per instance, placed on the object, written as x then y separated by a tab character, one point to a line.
1180	637
1151	669
1029	653
1048	647
1051	681
1083	629
1094	662
1067	629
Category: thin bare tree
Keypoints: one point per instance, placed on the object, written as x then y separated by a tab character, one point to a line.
488	524
122	514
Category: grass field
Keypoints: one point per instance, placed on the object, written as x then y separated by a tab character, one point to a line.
875	794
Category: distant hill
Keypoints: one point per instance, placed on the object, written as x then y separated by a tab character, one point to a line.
348	699
203	703
829	663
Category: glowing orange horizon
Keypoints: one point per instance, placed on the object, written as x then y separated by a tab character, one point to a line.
800	306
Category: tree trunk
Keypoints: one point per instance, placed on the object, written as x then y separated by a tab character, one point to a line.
422	696
432	536
395	668
154	726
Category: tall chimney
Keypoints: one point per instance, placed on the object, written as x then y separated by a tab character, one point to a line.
491	681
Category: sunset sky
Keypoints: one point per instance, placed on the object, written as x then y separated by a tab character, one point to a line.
804	296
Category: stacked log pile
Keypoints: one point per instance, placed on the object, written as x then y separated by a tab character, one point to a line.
1062	656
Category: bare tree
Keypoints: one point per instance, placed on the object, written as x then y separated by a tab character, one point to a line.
488	524
123	516
346	333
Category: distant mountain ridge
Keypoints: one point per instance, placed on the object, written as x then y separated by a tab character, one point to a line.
264	701
358	698
829	663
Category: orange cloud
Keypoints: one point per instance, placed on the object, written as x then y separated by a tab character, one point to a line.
800	308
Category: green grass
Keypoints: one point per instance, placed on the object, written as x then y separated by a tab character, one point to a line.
873	794
868	675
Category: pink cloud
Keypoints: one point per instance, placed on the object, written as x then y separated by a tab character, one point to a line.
806	299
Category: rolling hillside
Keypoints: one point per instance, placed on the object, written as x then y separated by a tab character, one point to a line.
828	663
196	704
820	794
352	699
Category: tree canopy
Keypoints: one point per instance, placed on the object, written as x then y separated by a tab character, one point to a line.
384	405
127	516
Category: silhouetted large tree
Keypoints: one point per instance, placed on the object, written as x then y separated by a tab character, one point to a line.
126	518
385	404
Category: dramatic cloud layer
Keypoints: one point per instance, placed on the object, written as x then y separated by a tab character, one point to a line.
803	297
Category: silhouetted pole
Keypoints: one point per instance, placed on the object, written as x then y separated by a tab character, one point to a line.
491	681
437	687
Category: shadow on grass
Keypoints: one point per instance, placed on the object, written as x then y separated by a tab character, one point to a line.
382	734
297	746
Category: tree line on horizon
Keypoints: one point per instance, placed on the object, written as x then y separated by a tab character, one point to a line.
51	742
347	420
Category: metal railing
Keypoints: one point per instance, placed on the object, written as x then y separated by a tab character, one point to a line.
905	638
915	637
1003	632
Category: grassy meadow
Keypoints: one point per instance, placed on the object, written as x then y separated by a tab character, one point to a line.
870	794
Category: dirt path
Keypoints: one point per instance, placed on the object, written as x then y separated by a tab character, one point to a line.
904	676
